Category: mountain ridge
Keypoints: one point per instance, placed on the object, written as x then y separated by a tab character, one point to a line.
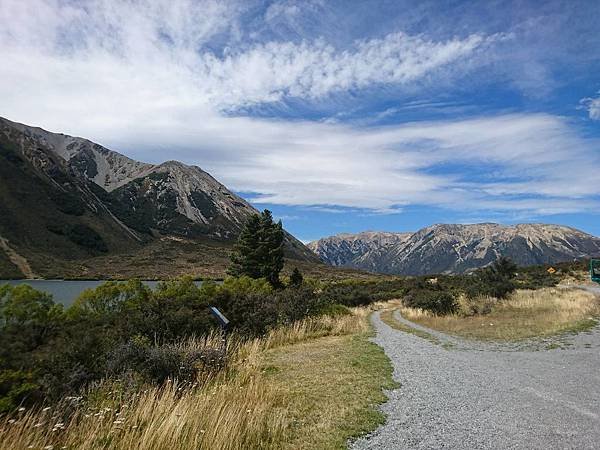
455	248
66	199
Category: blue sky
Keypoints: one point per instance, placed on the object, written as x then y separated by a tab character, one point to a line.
340	116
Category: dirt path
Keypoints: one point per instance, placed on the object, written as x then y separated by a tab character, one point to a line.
18	260
483	397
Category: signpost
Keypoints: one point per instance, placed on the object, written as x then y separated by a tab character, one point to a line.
595	270
223	322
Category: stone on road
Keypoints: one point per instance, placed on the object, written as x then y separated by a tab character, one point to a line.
485	398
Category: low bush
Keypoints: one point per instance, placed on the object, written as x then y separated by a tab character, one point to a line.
85	236
335	310
159	363
360	293
439	302
495	281
254	313
17	387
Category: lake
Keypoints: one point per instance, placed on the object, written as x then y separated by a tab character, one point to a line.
66	292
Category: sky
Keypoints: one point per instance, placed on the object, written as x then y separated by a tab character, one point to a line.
339	116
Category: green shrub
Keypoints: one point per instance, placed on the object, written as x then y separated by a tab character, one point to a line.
439	302
496	280
296	278
335	310
17	388
255	313
159	363
86	237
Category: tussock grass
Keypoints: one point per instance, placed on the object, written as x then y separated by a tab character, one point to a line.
275	390
525	314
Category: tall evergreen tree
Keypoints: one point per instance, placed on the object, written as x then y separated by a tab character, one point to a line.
259	250
271	248
246	258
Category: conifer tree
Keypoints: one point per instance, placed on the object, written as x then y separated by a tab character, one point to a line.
258	252
245	259
271	245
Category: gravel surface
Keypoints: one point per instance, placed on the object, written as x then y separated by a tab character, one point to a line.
489	396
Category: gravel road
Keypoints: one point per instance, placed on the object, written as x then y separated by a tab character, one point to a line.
473	396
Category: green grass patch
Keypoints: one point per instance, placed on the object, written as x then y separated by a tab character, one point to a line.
329	389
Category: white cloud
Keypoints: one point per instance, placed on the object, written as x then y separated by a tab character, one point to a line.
142	78
157	52
518	162
592	105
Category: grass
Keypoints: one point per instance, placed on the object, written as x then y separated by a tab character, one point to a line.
312	385
525	314
387	316
331	387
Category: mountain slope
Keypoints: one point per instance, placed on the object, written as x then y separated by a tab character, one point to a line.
65	200
360	249
455	248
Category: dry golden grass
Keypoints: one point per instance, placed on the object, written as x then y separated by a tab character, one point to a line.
525	314
265	398
388	318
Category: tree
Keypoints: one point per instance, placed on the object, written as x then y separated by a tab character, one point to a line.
246	257
258	252
296	278
271	248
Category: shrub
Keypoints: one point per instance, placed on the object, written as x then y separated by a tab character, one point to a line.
493	281
439	302
335	310
255	313
86	237
349	294
17	388
296	278
163	362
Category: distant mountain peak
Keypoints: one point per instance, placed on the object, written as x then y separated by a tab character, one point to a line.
455	248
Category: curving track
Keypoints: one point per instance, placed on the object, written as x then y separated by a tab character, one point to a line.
478	396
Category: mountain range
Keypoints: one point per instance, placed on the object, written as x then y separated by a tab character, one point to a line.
447	248
72	208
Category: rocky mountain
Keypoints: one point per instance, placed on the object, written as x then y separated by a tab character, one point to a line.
362	249
455	248
65	199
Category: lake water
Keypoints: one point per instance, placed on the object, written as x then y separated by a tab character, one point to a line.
66	292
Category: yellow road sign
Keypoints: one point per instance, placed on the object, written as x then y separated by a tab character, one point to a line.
551	270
